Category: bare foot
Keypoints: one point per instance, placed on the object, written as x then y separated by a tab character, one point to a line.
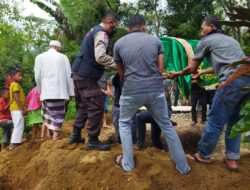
56	136
12	147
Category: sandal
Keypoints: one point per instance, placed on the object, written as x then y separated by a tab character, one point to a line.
229	167
198	158
118	162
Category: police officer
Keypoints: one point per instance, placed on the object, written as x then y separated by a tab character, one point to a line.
87	70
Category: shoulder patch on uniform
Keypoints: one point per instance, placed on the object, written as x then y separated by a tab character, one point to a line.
106	38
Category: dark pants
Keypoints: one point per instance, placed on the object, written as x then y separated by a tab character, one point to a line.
201	96
141	119
90	105
210	96
6	130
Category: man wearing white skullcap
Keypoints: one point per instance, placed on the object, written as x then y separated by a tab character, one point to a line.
55	43
54	82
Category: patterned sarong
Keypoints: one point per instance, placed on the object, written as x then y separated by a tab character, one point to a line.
53	113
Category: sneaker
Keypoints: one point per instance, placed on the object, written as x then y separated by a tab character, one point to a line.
98	145
77	140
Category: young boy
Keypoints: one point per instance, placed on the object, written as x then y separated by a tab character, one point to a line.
5	117
17	108
104	83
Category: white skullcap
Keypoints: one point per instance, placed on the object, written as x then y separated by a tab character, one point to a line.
55	43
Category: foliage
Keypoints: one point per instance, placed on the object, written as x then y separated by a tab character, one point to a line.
185	17
21	39
246	40
244	123
71	112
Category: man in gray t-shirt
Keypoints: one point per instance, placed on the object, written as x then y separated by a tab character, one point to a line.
220	50
139	62
138	52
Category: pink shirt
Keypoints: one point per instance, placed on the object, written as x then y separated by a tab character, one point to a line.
33	100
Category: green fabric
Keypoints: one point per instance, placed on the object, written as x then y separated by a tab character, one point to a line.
34	117
175	59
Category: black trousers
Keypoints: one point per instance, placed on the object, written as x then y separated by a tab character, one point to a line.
90	106
199	96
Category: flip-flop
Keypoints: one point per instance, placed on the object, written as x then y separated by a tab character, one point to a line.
119	162
230	168
198	159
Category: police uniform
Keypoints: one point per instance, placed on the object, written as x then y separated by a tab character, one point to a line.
87	69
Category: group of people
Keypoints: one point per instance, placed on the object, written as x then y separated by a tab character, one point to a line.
14	106
138	58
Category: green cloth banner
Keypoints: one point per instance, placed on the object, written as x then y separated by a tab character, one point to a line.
175	59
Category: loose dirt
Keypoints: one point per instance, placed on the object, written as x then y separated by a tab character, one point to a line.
48	165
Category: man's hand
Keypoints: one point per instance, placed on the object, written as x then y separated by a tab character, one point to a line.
110	68
198	74
164	75
110	95
173	75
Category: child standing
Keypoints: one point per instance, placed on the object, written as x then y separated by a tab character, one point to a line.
34	112
5	117
104	83
17	108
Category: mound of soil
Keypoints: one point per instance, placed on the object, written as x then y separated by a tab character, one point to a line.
48	165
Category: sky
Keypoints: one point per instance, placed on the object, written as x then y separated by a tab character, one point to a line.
28	8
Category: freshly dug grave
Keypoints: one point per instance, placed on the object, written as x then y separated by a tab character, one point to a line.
48	165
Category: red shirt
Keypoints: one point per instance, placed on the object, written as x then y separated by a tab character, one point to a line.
6	114
9	80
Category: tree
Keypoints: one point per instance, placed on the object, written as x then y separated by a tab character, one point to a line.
184	17
21	39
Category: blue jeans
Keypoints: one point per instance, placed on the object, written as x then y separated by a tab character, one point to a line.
115	120
141	119
157	106
106	104
224	111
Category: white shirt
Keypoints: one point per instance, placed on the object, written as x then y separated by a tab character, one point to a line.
53	75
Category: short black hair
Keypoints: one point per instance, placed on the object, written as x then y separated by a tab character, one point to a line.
15	71
3	90
136	20
111	15
213	20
